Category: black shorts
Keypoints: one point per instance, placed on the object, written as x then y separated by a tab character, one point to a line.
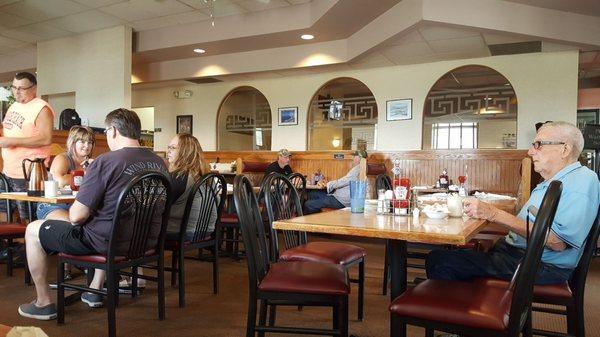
58	236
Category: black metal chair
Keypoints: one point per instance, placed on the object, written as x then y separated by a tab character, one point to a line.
137	239
282	202
203	209
285	283
299	182
569	295
477	308
9	231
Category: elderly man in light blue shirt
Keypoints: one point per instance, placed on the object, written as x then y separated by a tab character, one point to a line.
555	154
338	191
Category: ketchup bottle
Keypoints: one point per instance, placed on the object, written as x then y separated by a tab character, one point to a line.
76	179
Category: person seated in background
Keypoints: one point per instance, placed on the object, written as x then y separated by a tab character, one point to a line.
281	165
555	152
80	144
186	166
338	191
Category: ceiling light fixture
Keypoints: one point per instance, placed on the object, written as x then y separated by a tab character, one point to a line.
211	9
199	51
307	37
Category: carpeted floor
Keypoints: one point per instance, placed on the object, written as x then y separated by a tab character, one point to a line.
224	315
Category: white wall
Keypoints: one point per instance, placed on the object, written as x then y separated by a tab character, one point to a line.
146	115
545	85
96	66
59	102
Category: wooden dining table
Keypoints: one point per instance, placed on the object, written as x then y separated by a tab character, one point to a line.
398	229
22	196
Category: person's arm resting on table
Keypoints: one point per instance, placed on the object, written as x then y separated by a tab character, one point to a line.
482	210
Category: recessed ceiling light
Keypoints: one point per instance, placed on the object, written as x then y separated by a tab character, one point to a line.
199	51
307	37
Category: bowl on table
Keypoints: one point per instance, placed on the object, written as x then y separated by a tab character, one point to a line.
436	214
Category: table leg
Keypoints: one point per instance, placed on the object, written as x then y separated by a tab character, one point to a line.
398	283
30	208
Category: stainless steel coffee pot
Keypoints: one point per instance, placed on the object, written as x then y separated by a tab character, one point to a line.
35	175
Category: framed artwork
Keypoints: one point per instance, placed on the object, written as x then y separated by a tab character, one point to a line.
288	116
184	124
399	109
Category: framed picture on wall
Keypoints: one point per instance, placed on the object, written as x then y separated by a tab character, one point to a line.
288	116
399	109
184	124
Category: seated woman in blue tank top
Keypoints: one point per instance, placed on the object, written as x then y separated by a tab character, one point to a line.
80	144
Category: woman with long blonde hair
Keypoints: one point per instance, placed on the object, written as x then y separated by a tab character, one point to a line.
186	166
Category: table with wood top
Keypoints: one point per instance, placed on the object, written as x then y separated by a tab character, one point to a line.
398	229
22	196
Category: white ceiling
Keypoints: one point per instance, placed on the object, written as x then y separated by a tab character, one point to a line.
23	23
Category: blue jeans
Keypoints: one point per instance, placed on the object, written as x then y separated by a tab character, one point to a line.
44	209
320	199
500	262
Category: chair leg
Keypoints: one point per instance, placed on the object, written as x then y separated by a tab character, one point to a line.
272	315
134	283
112	287
27	274
344	317
181	274
251	317
262	316
9	258
336	316
174	267
527	327
361	289
161	287
60	293
576	319
386	268
216	268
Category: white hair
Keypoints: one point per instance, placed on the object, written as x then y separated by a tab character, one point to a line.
569	134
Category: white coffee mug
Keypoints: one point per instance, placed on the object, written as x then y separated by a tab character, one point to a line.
455	207
50	188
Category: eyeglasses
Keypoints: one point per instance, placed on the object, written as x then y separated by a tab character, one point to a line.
89	142
106	130
172	147
17	89
538	143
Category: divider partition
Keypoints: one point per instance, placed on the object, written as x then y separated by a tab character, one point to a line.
489	170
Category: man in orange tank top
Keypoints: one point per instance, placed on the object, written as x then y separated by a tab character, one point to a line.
26	132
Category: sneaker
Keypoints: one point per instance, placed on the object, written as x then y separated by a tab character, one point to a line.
125	283
44	313
92	300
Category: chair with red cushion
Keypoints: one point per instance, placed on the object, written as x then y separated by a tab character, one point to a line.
285	283
204	205
137	238
569	295
476	308
282	202
9	231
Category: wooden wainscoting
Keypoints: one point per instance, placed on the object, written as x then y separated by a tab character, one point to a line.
59	144
497	171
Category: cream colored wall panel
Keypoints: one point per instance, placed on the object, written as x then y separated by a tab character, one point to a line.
545	84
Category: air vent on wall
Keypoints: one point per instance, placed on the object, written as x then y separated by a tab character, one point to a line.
202	80
516	48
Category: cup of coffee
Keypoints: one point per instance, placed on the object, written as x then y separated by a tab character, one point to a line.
50	188
454	202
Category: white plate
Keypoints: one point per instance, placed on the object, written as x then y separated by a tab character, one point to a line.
436	215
